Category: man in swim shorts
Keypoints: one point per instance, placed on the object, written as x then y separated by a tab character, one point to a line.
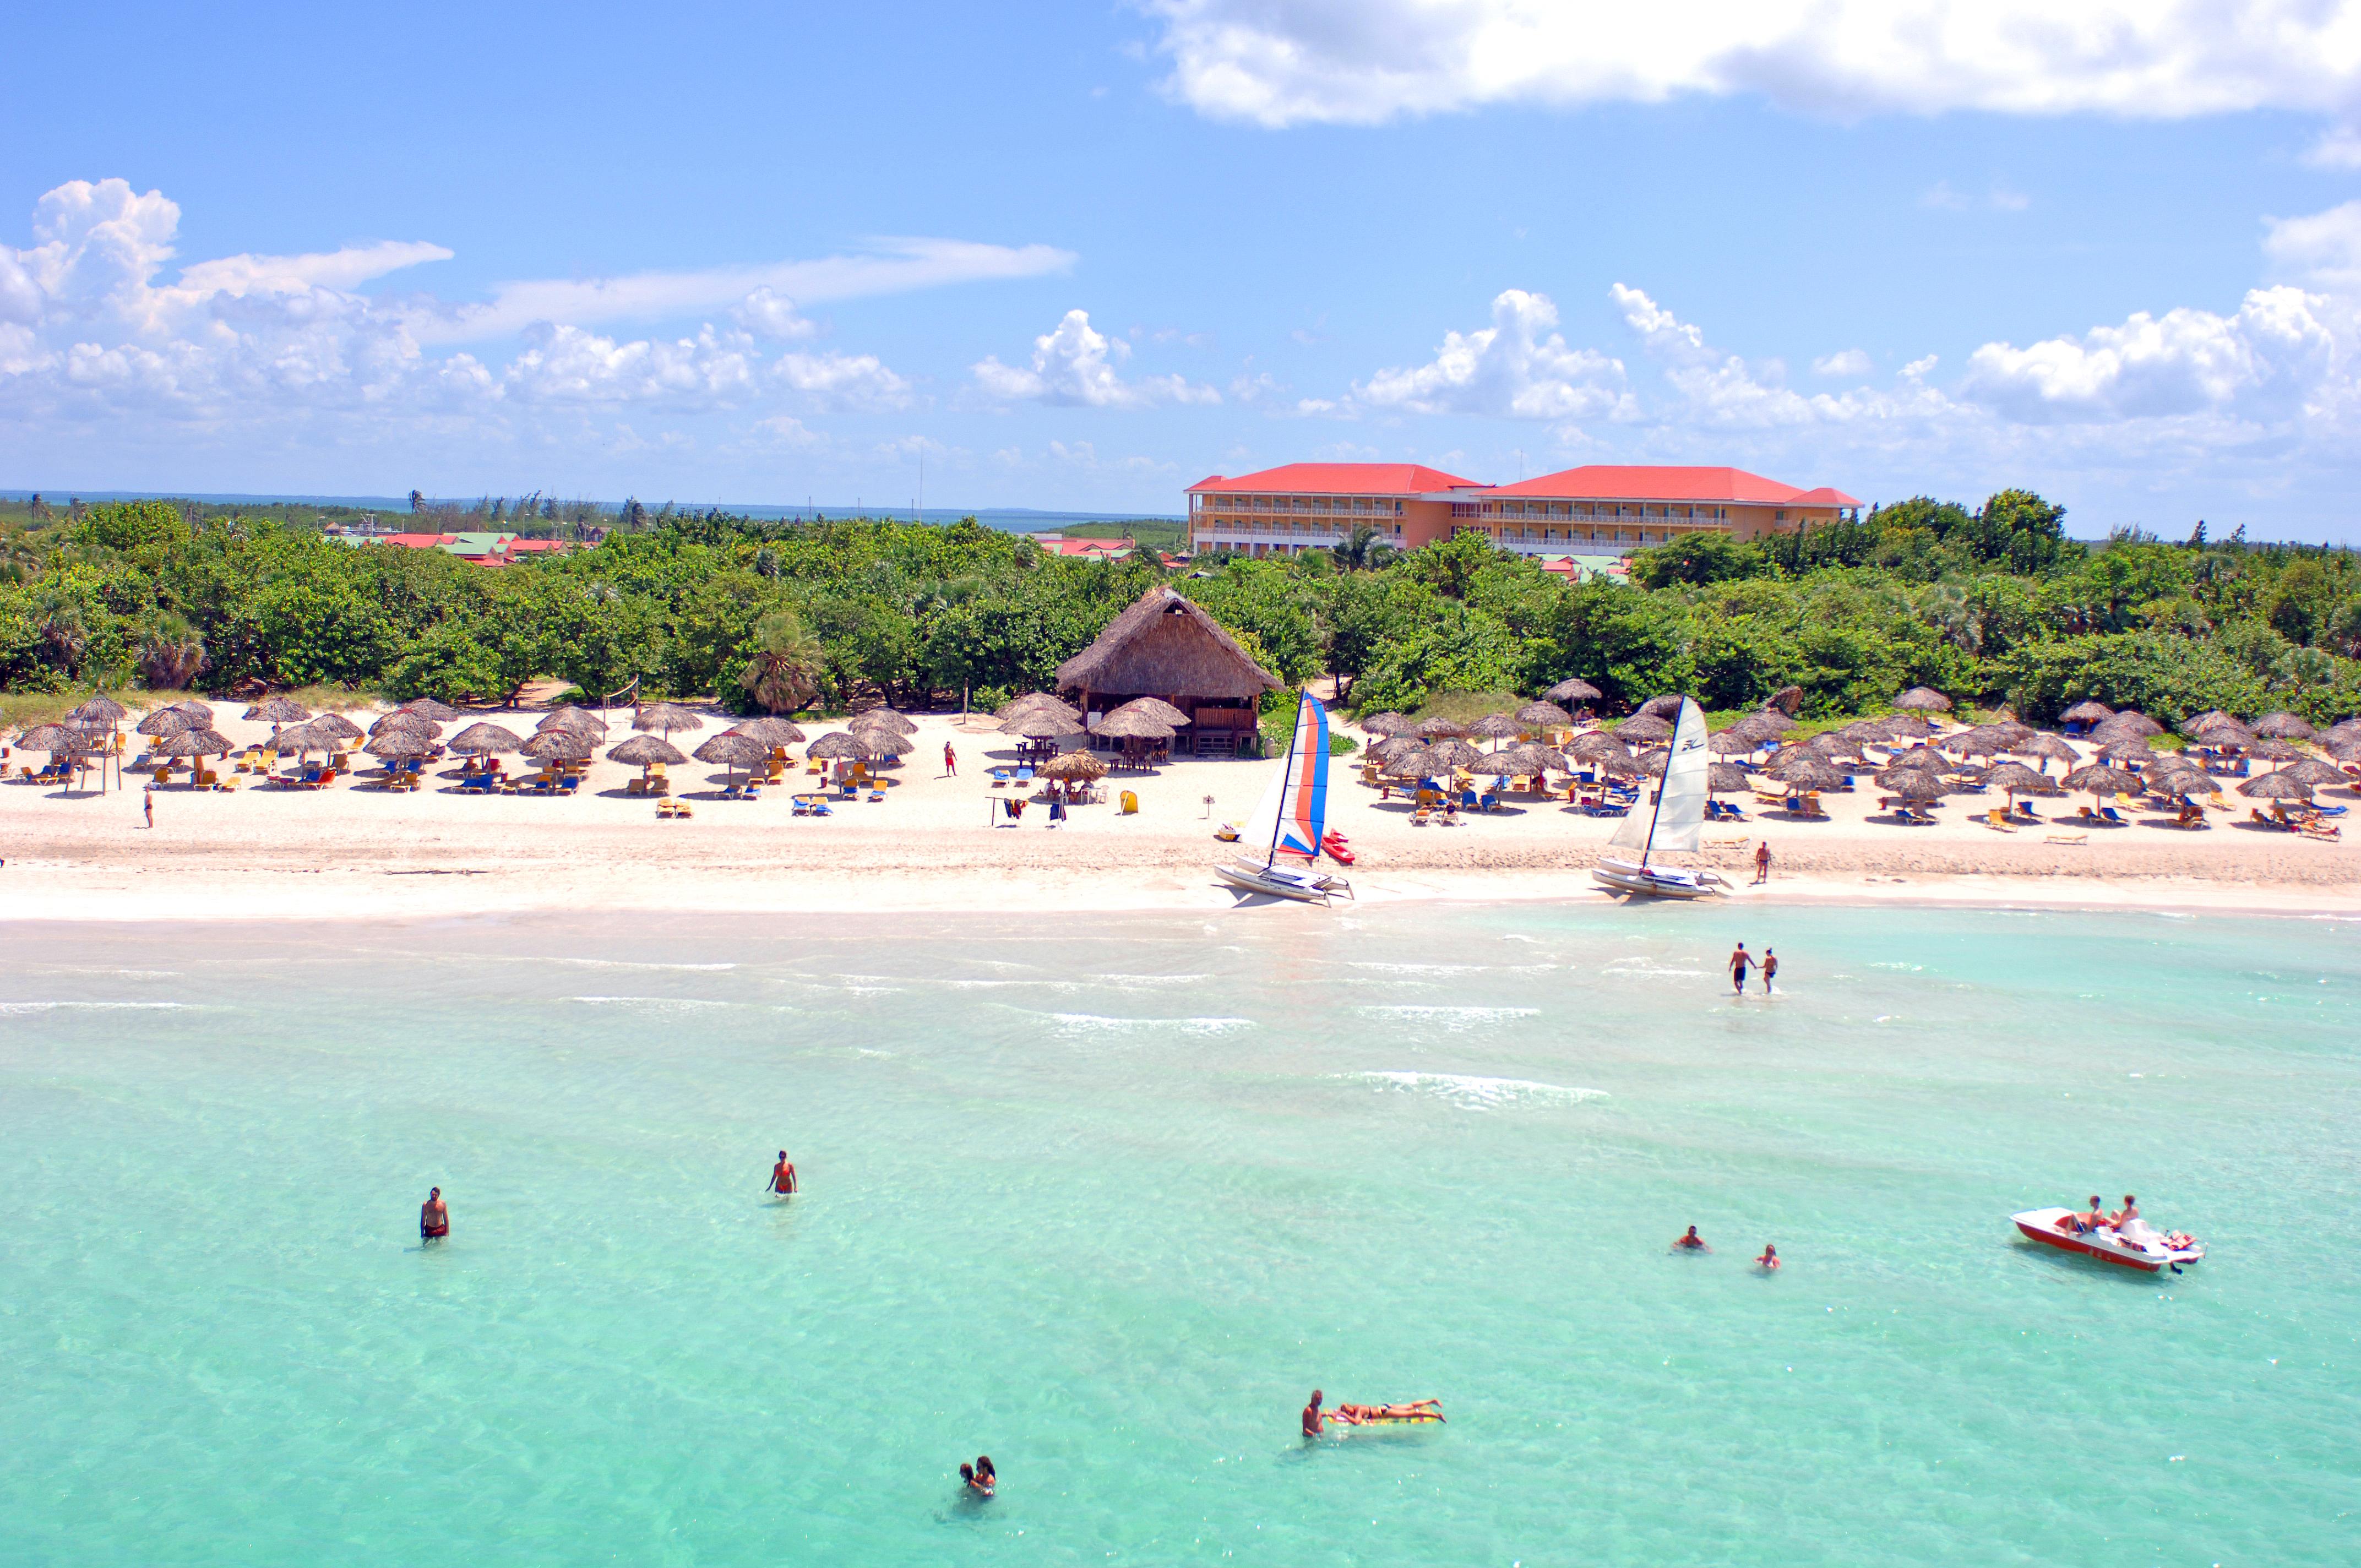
433	1217
1690	1243
1738	962
783	1175
1311	1417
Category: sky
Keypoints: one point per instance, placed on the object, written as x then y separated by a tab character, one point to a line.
1079	258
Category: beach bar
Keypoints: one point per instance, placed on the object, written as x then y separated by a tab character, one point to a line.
1165	647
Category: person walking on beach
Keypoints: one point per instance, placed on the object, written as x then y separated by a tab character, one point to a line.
1770	968
783	1177
148	805
1738	962
433	1218
951	761
1763	862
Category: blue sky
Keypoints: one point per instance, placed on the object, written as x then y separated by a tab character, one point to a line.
1083	257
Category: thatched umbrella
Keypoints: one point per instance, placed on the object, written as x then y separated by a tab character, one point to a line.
1416	763
2344	748
1645	728
196	708
885	741
164	722
277	710
558	745
2174	776
1155	708
1924	757
665	718
1388	724
192	744
899	722
1130	723
98	713
2343	729
2087	713
336	727
844	746
1912	784
2100	778
2222	732
2276	786
1042	724
733	752
50	737
1923	699
770	730
2131	750
482	740
403	719
299	739
1032	701
1736	740
2130	721
427	707
644	751
1572	692
1598	747
1441	729
1905	727
1723	779
1790	759
1451	752
1804	771
2015	779
1543	716
2211	715
573	718
1770	720
1496	727
2271	750
1393	746
2284	726
2315	772
1074	767
399	745
2047	748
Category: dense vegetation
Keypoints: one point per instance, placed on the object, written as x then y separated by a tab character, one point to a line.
1990	605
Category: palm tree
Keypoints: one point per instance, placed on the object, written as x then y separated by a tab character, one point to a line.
171	653
58	619
1363	550
784	675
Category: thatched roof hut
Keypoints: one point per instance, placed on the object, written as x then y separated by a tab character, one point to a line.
1165	646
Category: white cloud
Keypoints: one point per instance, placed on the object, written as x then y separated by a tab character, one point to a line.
2324	248
1518	368
1074	366
2261	364
2338	147
1844	362
347	269
768	314
1280	62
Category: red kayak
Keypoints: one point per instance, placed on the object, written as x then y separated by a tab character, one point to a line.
1337	848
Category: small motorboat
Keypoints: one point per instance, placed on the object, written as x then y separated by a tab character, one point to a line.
2142	1247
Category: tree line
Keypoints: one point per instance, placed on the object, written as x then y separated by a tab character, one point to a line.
1992	604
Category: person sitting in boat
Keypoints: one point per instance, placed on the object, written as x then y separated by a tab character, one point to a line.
1770	1258
2125	1215
2094	1218
2131	1228
1690	1243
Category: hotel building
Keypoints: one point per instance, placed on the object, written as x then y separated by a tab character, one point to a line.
1595	510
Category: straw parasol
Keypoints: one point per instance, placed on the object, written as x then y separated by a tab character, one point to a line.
770	730
164	722
2211	715
1388	724
1074	767
1792	759
1572	691
1736	740
1770	720
2271	750
1416	763
2047	748
2132	749
277	710
482	740
1496	727
196	708
644	751
2315	772
733	752
1805	772
1907	727
572	718
336	727
843	745
2219	731
557	745
1393	746
1643	727
1441	729
1597	746
2276	786
2131	721
192	743
300	738
403	718
898	722
1527	759
2344	748
1032	701
665	718
2100	778
1155	708
2174	776
1131	722
399	745
2087	713
885	741
427	707
1042	724
98	713
1652	761
1923	699
1721	779
1451	752
1912	783
1543	716
2015	779
2284	726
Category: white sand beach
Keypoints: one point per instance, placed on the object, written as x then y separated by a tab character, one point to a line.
936	843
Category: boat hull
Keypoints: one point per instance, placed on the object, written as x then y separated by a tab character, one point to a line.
2041	1225
1654	882
1302	887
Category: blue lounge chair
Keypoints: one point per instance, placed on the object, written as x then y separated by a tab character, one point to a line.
2112	817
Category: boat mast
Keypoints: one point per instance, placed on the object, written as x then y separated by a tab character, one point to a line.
1287	772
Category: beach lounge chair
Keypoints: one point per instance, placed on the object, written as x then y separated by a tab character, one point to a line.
997	776
2066	839
2112	817
1997	818
1917	816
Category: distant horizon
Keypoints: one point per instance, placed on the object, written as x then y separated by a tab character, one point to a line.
766	511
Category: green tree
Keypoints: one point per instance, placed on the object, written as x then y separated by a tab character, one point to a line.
783	676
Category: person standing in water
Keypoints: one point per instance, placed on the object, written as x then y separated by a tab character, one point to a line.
1738	962
1770	1258
783	1177
1312	1427
1690	1243
1770	968
433	1218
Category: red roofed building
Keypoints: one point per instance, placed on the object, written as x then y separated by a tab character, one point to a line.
1311	506
1603	506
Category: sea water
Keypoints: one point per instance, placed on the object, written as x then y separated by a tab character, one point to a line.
1106	1198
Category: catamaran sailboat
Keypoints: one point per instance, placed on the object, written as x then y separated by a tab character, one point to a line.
1677	821
1291	822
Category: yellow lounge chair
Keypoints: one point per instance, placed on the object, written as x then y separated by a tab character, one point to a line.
1998	818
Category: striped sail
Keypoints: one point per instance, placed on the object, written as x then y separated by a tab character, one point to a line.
1292	815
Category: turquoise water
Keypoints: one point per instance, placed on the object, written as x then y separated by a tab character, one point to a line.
1104	1198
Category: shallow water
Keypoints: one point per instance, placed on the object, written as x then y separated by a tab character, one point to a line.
1104	1198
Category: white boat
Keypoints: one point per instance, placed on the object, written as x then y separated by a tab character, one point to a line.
1674	821
1289	826
2138	1245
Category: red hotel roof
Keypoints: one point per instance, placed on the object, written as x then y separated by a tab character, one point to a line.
1341	479
1609	481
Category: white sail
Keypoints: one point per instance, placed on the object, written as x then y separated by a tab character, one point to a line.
1255	838
1676	820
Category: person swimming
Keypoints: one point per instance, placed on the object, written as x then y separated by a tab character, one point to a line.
1770	1258
980	1476
1690	1243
